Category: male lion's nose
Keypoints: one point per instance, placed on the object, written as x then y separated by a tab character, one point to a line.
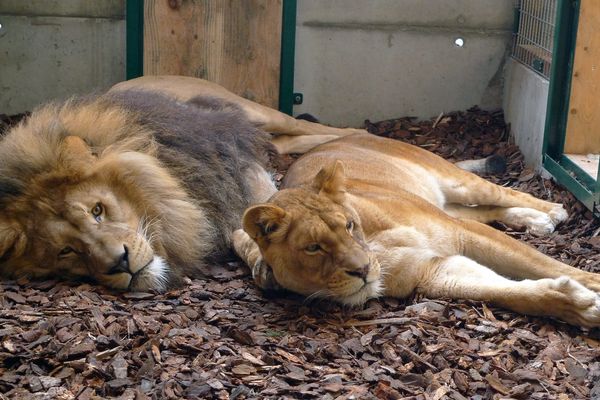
360	272
122	264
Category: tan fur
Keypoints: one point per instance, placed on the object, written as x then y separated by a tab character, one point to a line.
365	216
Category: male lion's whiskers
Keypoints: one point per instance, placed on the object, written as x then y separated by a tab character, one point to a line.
145	226
384	272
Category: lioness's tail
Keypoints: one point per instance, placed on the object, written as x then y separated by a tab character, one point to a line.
495	164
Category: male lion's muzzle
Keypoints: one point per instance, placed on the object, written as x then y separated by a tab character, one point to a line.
134	267
122	264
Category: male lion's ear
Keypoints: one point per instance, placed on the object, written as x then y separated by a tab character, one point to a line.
331	181
75	154
265	222
12	240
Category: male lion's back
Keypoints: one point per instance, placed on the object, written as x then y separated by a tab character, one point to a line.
208	144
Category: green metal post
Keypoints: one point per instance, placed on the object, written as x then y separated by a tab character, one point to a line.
559	91
135	39
288	49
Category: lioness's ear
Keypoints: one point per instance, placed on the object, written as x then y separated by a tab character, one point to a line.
75	154
265	222
12	240
331	181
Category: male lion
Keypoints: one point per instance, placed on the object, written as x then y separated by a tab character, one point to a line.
139	187
364	216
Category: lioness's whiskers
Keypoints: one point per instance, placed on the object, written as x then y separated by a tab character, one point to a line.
320	294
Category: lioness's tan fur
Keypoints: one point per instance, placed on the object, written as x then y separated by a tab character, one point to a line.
365	216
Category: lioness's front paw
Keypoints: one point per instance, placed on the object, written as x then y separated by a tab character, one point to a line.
263	276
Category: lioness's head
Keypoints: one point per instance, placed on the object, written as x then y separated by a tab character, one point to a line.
82	195
313	240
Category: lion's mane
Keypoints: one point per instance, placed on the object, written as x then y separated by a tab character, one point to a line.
181	162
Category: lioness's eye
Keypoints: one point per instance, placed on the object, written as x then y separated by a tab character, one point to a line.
350	225
65	251
312	248
97	211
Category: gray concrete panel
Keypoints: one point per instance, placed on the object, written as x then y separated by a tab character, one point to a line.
525	100
47	58
66	8
388	58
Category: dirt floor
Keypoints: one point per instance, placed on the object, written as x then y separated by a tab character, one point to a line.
222	338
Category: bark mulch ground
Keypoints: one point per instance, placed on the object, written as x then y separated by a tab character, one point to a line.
222	338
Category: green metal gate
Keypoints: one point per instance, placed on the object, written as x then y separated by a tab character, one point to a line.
566	172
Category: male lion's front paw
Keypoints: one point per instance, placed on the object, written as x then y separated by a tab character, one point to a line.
574	302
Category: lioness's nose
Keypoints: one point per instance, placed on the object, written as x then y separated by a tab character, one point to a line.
360	272
122	265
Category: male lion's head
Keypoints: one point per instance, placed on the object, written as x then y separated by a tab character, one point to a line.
82	195
313	241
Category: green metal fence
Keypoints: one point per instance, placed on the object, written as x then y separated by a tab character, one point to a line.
534	35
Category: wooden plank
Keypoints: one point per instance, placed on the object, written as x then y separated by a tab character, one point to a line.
235	43
583	126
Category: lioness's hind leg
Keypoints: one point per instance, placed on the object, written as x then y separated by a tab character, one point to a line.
537	222
287	144
459	277
464	188
272	121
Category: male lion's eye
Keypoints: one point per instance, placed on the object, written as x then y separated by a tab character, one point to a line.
97	211
312	248
65	251
350	225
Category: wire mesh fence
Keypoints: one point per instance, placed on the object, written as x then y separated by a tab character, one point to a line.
534	38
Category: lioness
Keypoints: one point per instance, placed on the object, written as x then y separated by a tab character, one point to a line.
365	216
138	187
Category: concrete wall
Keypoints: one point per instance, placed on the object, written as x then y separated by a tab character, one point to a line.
525	97
381	59
355	59
52	49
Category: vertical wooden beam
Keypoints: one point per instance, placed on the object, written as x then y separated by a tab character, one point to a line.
583	135
235	43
